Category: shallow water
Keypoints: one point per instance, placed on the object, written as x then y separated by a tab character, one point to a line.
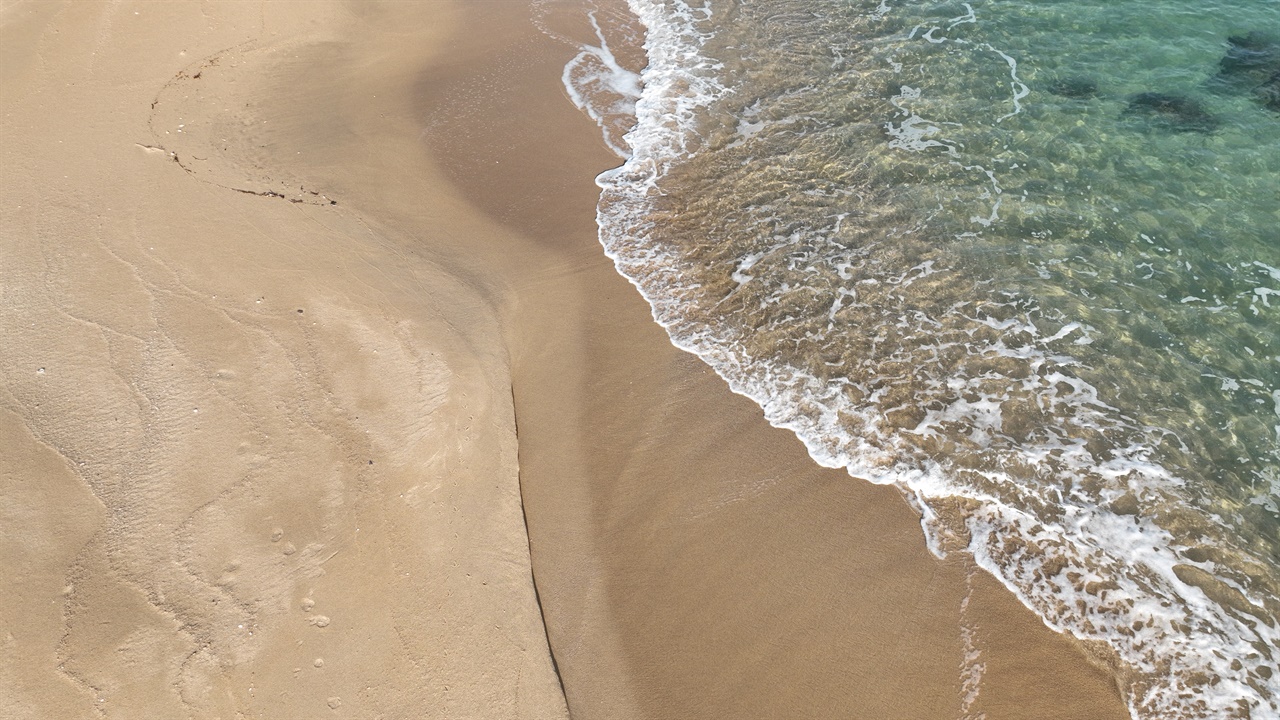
1021	259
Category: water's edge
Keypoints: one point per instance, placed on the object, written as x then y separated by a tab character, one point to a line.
1091	566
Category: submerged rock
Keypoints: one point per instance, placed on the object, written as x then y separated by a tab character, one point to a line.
1268	93
1173	112
1252	64
1074	87
1253	40
1249	61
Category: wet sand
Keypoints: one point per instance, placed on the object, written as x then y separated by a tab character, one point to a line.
306	319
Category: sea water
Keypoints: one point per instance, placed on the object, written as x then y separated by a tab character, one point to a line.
1020	259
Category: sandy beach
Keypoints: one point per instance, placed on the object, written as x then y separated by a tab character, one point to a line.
320	399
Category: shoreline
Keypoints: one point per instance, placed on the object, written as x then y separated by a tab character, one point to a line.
690	560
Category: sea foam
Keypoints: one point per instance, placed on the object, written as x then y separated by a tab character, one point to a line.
1072	550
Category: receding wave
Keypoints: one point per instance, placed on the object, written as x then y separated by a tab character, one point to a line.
1019	260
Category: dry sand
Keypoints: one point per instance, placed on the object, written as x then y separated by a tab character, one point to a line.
300	301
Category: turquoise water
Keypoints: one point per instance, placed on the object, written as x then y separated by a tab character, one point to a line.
1021	259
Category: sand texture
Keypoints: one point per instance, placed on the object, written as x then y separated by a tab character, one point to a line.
259	458
304	318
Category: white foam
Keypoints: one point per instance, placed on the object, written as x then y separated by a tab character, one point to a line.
603	89
972	667
1168	632
1018	89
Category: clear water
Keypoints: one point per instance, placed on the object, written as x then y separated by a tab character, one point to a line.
1021	259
